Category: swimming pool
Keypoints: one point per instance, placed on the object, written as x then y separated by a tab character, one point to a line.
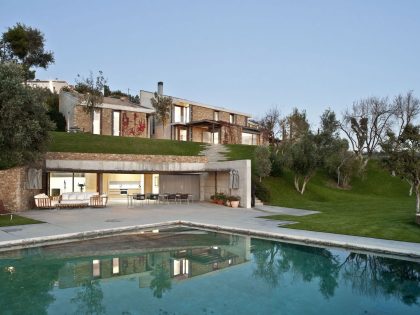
188	271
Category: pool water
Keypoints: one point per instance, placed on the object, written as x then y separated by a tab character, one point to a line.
186	271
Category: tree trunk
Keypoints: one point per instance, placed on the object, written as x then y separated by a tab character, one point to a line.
305	181
410	192
297	183
417	198
338	175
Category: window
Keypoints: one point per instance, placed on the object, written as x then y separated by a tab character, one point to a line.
116	123
216	116
177	114
232	118
115	266
96	270
153	124
249	138
96	124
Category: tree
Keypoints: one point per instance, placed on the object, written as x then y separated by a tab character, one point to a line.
406	109
53	112
263	162
24	124
270	125
303	160
366	124
25	45
403	157
162	105
91	90
294	126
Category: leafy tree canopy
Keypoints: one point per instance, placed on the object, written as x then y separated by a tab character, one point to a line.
24	124
25	45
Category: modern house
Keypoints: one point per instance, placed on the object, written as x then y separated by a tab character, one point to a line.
188	121
198	122
114	117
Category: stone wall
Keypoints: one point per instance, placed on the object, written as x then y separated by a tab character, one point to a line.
13	190
82	119
125	157
106	122
200	113
231	134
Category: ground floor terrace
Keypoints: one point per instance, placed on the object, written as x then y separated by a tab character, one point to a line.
119	176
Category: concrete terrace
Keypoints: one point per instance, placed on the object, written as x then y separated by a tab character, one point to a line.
79	223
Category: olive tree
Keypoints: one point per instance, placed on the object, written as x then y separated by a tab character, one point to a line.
162	105
262	161
24	123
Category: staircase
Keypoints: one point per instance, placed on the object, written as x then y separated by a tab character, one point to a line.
215	152
258	203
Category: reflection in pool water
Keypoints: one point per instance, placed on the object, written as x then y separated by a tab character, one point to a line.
184	271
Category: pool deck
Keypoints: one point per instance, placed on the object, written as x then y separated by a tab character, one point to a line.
83	223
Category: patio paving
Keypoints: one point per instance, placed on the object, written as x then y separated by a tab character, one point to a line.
60	222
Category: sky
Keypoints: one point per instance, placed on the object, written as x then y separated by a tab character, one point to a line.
245	55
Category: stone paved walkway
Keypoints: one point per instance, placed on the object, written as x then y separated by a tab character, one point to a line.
215	152
66	222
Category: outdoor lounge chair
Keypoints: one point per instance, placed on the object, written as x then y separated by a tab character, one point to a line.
98	201
154	197
42	201
3	210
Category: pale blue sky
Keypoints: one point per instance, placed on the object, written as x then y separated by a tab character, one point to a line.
244	55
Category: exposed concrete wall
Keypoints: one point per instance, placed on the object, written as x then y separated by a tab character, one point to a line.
244	169
13	191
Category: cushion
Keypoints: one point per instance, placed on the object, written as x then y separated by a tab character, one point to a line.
41	196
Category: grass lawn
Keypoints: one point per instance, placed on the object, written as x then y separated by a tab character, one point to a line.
17	220
377	206
84	142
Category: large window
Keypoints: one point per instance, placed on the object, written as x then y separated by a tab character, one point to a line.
181	114
61	182
249	138
116	123
232	119
216	116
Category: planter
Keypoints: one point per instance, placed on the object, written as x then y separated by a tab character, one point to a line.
234	204
220	202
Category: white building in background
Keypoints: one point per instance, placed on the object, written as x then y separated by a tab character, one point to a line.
54	86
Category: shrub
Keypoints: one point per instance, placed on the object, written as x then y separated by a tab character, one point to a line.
262	192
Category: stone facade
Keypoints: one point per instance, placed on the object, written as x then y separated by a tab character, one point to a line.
82	119
106	122
231	134
125	157
201	113
13	191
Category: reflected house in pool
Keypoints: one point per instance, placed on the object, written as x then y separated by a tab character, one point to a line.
157	264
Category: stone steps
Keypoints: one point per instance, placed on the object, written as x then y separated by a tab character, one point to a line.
258	202
215	152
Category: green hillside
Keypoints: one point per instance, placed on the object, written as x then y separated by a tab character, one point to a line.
85	142
377	206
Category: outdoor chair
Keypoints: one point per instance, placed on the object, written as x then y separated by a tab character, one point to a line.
154	197
42	201
139	197
98	201
172	197
3	210
184	197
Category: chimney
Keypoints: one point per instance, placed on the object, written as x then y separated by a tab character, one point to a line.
160	88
